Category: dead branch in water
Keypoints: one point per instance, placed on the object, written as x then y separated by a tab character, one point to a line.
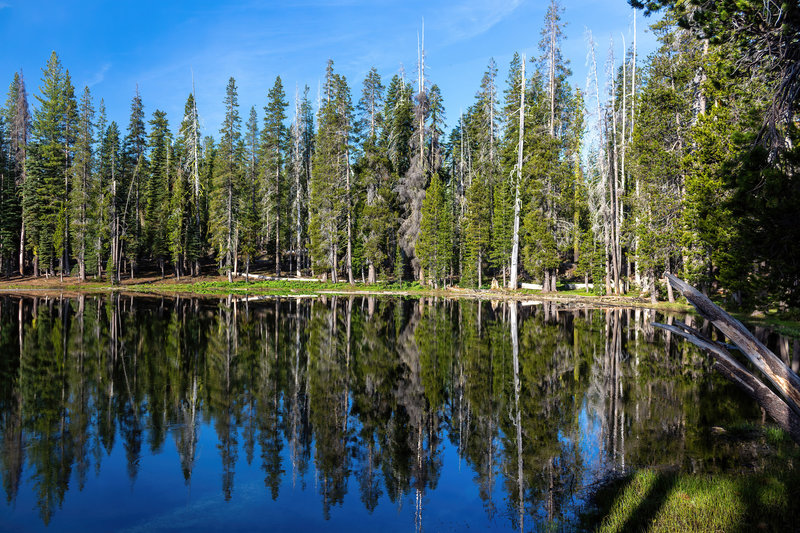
783	406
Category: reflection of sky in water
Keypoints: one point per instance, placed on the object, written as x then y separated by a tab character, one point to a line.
160	500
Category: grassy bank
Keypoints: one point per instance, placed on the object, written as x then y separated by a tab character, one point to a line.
218	285
759	496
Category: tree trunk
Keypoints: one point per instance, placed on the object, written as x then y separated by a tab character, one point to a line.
512	281
670	294
371	274
349	264
652	283
334	266
22	250
480	276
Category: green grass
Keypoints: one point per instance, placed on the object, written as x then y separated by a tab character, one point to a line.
655	501
762	499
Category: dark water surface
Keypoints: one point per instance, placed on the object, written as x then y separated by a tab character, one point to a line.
121	413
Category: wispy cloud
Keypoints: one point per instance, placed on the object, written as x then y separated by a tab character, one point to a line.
98	76
470	19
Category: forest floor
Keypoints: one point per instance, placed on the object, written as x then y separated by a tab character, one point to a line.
306	287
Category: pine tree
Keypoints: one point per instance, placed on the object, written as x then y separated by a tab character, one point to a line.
179	217
273	150
398	123
370	120
329	196
484	127
434	246
395	143
507	220
188	142
301	147
156	198
134	172
502	227
43	191
249	207
554	174
70	126
15	130
8	204
82	169
99	224
227	177
658	152
477	230
110	200
482	132
374	174
436	129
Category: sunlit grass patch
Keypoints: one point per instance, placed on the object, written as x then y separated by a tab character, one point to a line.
651	500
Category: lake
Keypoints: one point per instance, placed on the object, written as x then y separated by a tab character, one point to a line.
141	413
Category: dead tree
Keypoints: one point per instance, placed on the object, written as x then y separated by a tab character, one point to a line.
784	405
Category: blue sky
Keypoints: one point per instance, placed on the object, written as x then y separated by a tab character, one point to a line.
113	46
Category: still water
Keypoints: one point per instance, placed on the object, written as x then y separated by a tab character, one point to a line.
132	413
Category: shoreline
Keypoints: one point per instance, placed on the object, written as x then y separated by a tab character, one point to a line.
289	288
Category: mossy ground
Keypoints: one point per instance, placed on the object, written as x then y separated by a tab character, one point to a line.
761	498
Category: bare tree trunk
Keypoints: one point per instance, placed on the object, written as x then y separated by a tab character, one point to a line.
670	294
512	281
228	258
22	249
783	408
277	221
652	283
297	193
349	264
480	277
236	250
334	265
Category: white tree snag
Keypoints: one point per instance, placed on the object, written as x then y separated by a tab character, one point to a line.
512	282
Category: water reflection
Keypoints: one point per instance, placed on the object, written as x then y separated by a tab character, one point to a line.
377	409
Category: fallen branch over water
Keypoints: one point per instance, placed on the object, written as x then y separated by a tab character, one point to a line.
783	406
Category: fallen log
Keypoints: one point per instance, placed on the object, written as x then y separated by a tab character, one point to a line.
783	406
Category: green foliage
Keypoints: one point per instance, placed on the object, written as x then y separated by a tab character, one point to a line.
224	206
273	151
434	246
328	196
82	169
160	180
45	191
477	235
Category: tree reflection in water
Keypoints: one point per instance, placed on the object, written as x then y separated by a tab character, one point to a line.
538	401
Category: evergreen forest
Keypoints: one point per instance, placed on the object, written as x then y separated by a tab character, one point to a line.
682	162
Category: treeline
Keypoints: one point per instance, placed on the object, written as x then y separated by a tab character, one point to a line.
667	165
